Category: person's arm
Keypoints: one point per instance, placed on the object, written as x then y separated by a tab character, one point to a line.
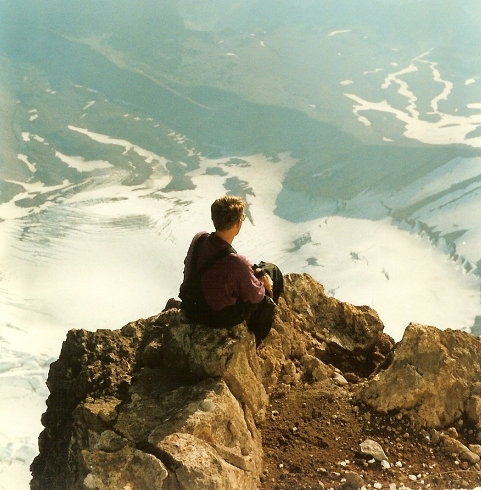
250	288
266	281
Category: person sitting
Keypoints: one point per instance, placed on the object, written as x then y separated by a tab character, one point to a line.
221	288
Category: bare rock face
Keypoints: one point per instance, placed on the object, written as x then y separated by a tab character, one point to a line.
95	368
158	403
434	378
321	333
211	353
163	403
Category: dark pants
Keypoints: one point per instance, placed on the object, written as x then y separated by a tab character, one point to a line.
259	316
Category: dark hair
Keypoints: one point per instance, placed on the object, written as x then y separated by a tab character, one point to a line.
227	211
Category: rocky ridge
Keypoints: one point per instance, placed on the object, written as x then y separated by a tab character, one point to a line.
327	401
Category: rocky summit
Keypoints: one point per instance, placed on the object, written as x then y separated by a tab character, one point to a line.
326	401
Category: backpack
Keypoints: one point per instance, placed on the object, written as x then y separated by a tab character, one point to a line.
193	301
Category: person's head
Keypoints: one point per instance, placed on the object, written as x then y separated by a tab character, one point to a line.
227	211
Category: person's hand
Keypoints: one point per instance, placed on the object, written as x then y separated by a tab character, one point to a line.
268	284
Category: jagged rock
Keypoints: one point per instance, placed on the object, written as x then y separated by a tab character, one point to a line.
231	355
432	378
109	441
473	407
475	448
126	467
455	447
119	400
434	435
320	331
200	464
162	403
91	365
337	322
314	368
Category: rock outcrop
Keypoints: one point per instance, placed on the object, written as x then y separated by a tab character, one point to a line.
162	403
434	377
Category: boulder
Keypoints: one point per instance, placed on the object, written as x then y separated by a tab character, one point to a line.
310	327
432	378
231	354
351	329
92	366
126	467
158	403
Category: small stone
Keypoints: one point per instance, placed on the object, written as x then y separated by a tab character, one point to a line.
374	449
469	456
385	464
353	481
413	477
434	435
352	377
340	379
473	409
452	432
377	485
475	448
91	482
289	368
110	441
399	464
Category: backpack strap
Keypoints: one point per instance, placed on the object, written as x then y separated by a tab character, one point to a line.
219	255
195	253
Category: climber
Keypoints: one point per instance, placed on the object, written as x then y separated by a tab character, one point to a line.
222	288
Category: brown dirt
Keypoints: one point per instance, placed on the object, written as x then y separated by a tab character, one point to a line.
312	436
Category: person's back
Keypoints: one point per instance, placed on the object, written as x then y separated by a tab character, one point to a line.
229	279
226	281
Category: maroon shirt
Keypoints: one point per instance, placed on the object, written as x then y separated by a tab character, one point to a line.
229	280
